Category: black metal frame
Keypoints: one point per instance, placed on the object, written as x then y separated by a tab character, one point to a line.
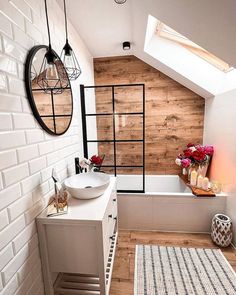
29	92
114	140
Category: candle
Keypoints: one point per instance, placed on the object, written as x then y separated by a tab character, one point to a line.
193	178
199	181
205	183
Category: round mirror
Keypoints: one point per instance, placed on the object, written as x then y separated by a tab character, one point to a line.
52	110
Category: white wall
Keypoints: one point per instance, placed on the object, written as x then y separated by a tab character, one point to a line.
28	154
219	130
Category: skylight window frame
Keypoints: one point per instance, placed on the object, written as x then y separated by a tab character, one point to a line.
165	32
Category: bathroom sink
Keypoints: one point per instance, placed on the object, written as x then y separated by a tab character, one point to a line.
87	185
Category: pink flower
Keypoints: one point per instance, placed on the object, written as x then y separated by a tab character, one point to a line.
185	163
209	150
199	155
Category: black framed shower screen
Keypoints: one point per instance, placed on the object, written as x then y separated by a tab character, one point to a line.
114	140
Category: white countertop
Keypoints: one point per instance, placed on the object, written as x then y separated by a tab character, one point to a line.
83	210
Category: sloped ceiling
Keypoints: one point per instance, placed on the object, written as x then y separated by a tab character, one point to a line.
104	25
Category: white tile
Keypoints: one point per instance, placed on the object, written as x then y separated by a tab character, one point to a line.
22	7
9	195
14	50
7	159
40	191
34	211
37	165
27	153
8	233
3	219
1	182
45	148
5	256
25	286
34	33
52	158
10	103
33	136
30	183
20	206
22	39
12	267
35	6
5	25
11	139
5	122
3	82
11	287
8	65
46	173
16	86
33	243
12	13
24	237
15	174
29	264
23	121
20	70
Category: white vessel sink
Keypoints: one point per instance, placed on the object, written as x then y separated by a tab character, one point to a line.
87	185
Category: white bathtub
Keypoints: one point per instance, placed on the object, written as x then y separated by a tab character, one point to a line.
167	205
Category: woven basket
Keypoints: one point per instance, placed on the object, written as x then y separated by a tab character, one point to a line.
222	230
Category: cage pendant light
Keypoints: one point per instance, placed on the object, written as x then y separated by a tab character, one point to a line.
52	77
68	56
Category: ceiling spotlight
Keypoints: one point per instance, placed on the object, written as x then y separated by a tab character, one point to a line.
120	1
126	45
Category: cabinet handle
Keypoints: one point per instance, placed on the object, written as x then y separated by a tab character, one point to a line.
115	218
114	200
110	215
112	237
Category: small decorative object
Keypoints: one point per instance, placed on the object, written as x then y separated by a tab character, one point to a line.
222	230
120	1
216	186
196	156
52	77
193	179
126	45
59	204
199	181
92	164
68	56
205	183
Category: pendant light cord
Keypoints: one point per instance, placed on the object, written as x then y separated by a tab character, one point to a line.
46	12
65	20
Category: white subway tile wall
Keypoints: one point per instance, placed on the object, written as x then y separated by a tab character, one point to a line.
27	153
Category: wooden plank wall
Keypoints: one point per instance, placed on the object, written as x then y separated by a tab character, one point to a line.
174	114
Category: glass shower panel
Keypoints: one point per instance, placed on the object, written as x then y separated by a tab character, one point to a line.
129	127
98	100
129	154
99	127
128	99
129	179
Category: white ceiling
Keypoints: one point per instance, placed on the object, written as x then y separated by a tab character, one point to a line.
104	25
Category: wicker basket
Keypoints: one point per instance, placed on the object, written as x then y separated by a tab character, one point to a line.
222	230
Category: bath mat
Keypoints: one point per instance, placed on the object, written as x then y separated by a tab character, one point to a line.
182	271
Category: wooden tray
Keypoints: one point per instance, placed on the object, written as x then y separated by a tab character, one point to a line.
197	191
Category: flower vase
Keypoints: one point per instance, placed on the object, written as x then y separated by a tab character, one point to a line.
202	170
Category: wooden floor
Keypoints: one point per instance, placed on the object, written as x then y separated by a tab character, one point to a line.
123	273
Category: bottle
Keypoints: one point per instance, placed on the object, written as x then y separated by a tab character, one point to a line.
193	178
205	183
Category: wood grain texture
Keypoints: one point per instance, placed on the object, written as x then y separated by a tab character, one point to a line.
174	114
123	272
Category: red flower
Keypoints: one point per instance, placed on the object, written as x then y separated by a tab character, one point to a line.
199	155
209	150
96	160
188	153
190	145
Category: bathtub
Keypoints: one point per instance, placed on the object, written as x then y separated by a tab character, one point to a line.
167	205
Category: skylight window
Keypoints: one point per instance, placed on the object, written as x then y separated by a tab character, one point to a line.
166	32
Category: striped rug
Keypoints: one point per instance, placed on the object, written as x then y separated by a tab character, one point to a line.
182	271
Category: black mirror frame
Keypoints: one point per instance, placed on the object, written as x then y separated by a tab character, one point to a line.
27	77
